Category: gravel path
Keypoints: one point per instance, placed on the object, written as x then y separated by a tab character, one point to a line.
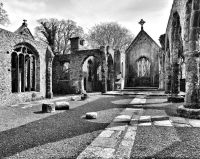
61	135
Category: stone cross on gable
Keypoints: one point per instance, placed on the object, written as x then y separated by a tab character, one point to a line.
142	22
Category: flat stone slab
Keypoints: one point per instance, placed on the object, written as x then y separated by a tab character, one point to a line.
145	124
91	115
194	122
48	107
159	118
124	149
163	123
106	133
104	142
138	101
131	133
181	125
179	120
97	152
145	119
63	105
122	118
117	126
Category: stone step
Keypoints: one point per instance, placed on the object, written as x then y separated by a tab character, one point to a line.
140	89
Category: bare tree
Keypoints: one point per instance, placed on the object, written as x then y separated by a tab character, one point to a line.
3	15
111	34
66	30
46	31
57	33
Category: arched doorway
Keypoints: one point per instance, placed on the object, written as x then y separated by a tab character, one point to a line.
91	74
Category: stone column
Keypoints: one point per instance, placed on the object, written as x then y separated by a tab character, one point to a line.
161	73
17	73
104	77
192	85
49	93
23	79
33	73
191	106
167	73
112	80
29	74
104	69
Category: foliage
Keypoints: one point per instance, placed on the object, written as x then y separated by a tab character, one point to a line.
3	15
58	33
111	34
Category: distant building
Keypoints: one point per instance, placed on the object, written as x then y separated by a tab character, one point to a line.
142	61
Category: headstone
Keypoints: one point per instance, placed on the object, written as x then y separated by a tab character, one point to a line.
48	107
91	115
62	105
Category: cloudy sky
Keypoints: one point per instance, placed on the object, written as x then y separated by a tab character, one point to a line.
90	12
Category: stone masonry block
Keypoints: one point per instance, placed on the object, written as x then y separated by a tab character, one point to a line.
63	105
48	107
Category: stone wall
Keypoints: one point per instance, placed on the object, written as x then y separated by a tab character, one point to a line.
75	84
8	41
183	32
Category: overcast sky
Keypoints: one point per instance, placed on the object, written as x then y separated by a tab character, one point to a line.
90	12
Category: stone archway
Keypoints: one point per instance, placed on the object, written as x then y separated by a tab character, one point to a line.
91	76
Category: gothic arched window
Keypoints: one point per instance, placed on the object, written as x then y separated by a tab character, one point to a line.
23	66
143	67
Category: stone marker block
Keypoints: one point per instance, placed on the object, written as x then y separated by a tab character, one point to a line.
63	105
48	107
91	115
73	98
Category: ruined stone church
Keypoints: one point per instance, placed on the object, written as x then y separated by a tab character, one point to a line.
29	70
25	67
142	61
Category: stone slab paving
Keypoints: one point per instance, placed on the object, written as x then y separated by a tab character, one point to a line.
139	99
117	140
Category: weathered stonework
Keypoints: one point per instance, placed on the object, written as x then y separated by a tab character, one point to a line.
9	42
183	35
74	83
143	46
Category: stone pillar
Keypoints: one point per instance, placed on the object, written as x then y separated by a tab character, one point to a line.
33	73
161	73
191	107
49	60
104	78
17	73
167	73
104	69
29	74
112	80
192	85
49	93
175	67
23	79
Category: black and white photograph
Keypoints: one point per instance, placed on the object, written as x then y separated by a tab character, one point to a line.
99	79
